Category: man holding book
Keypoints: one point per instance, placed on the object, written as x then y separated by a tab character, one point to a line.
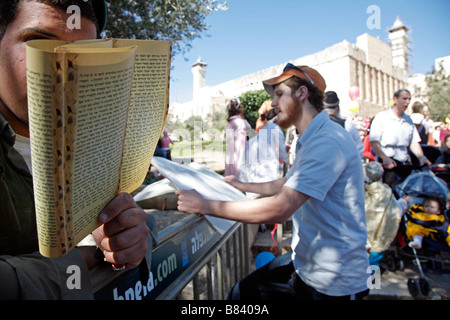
122	237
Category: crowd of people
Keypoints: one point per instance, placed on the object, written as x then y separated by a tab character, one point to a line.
427	133
386	146
431	133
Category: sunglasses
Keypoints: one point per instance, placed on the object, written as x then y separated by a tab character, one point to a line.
236	103
290	66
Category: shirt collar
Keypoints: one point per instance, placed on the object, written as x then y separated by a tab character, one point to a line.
8	139
393	116
7	134
316	123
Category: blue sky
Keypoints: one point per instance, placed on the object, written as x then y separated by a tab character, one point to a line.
255	34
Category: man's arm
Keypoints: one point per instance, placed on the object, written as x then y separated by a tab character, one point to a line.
273	209
388	163
122	237
32	276
416	149
263	188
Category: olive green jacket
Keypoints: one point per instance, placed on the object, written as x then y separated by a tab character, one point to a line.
24	273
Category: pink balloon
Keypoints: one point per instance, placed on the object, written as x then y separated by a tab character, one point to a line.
353	92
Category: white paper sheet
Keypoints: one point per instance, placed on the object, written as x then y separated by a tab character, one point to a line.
205	181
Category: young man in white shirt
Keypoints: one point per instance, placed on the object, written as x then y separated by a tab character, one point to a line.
323	192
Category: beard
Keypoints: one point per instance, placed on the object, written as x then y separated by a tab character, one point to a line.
286	118
283	122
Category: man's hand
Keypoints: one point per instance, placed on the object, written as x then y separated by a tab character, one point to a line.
123	234
190	201
233	181
389	163
424	161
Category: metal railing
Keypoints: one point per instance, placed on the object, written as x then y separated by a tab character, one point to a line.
213	276
192	261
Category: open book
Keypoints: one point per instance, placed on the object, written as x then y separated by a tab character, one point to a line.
96	111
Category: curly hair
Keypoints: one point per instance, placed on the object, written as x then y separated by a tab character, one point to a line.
233	108
9	10
315	96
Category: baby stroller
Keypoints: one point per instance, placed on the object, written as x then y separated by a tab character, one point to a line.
419	185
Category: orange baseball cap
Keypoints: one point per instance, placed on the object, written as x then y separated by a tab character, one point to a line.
302	72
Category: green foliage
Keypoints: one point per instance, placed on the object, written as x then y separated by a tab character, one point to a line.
179	21
219	120
439	94
194	125
252	101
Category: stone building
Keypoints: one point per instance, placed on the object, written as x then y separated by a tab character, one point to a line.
376	67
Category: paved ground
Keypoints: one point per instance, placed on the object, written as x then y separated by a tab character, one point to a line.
394	284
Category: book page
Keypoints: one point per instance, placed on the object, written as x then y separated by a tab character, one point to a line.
148	108
101	105
41	82
91	106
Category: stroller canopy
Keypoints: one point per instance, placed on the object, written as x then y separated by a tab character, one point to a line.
423	184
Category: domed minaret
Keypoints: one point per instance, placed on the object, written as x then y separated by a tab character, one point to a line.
398	36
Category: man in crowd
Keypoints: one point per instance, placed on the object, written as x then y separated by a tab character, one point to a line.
391	134
331	105
323	192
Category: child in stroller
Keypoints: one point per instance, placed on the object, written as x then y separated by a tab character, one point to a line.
427	216
424	188
429	221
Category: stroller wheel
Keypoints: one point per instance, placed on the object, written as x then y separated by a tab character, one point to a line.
394	264
413	287
400	265
425	286
391	265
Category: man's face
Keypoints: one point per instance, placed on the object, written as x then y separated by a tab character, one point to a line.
34	21
402	102
285	106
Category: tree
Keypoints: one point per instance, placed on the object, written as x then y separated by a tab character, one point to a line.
439	93
179	21
252	101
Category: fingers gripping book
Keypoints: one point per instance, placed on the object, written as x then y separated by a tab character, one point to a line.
96	111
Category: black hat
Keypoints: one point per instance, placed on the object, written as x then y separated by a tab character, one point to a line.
331	100
100	13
